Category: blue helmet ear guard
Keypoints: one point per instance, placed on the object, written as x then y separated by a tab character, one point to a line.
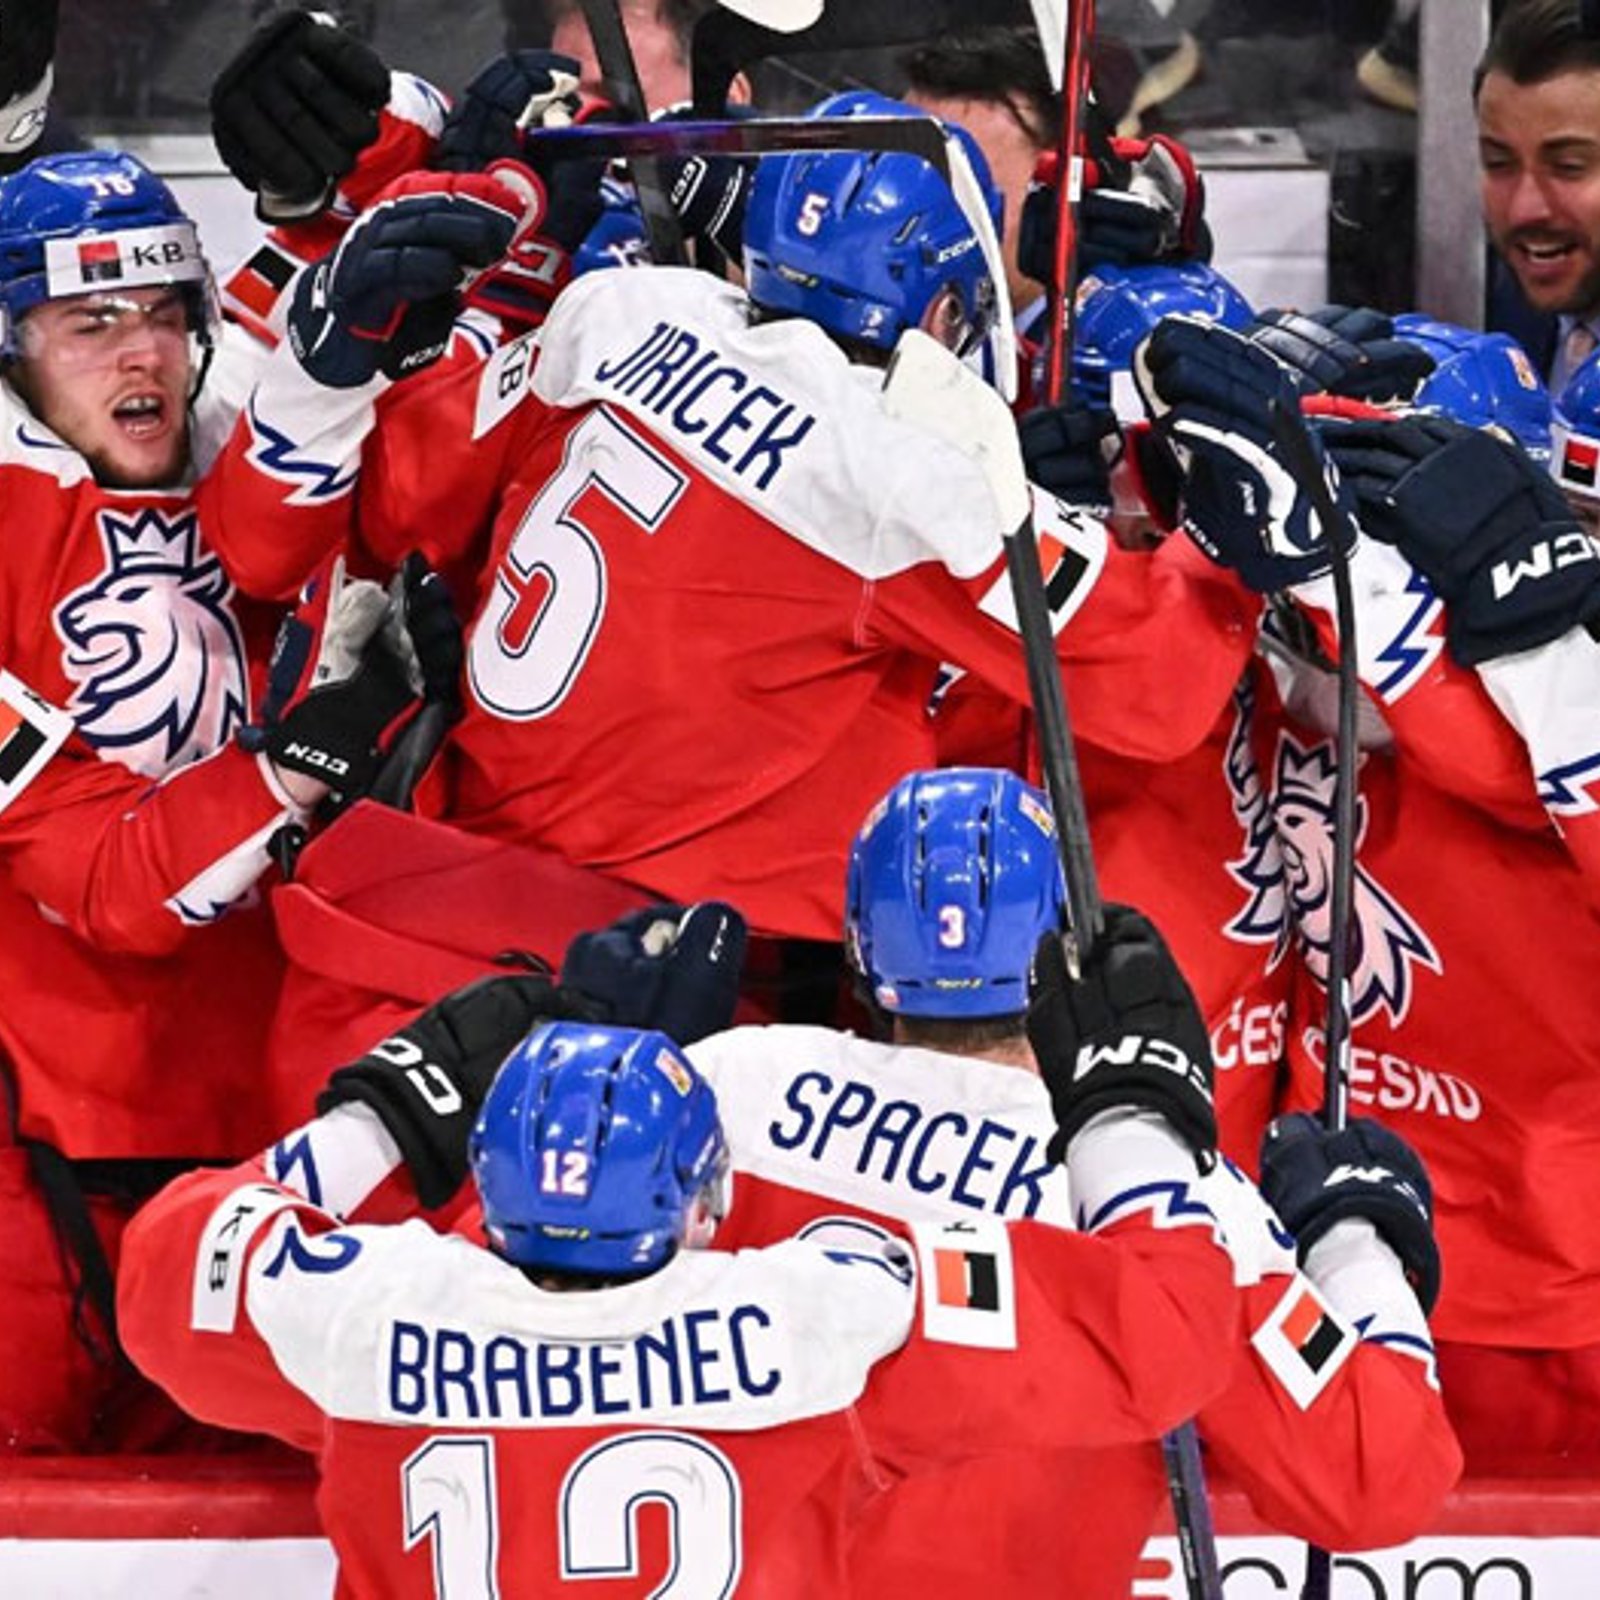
1481	379
1575	435
1118	306
594	1151
95	221
953	877
864	242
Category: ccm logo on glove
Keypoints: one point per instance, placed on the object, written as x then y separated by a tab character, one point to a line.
1139	1050
1569	549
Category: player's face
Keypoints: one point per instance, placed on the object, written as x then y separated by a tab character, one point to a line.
662	67
1011	150
110	375
1539	160
663	73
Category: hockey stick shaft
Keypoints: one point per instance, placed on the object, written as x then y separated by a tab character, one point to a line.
609	35
920	136
1300	459
1064	265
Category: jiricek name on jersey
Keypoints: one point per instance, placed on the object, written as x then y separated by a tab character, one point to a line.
709	401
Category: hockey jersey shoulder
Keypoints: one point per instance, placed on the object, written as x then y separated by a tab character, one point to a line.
773	413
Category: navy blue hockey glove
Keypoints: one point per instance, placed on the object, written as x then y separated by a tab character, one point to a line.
670	967
428	614
27	60
386	298
341	680
1070	450
513	93
1127	1033
498	118
1342	350
1313	1178
1209	391
1486	526
292	111
427	1081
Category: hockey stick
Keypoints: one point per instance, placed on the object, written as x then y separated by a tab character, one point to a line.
928	385
591	141
1064	264
1289	432
620	75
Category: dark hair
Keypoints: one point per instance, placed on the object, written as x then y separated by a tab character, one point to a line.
1535	40
1003	66
958	1036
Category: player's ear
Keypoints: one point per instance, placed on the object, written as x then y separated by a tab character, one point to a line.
739	91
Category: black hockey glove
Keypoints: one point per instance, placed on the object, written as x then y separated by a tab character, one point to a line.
670	967
1208	391
1128	1033
1347	351
292	111
1313	1178
27	61
1486	526
429	617
1070	450
386	298
342	677
427	1081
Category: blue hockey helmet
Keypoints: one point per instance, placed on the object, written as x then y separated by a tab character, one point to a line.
598	1151
1118	306
866	242
1575	434
1481	379
953	877
95	222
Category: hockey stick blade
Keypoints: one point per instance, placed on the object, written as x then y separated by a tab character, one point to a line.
777	16
930	387
920	136
724	41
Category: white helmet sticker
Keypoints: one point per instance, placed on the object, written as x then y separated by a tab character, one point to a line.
130	259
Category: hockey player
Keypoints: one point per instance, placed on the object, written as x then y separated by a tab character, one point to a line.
130	820
667	439
1467	603
952	878
488	1420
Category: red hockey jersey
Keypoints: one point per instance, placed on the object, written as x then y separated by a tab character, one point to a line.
709	546
1476	1020
1337	1437
478	1435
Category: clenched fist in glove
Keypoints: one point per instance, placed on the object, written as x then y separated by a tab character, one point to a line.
670	967
1209	392
294	108
343	676
1314	1178
1143	202
1482	522
426	1082
385	299
1343	350
1127	1034
1070	450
